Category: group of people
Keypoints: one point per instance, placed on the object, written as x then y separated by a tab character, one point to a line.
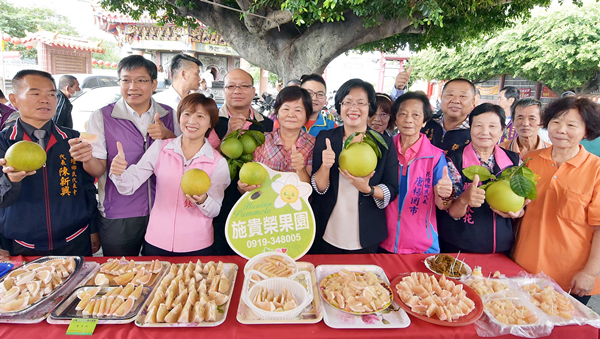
417	200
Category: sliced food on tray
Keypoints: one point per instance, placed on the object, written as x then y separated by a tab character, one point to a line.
510	313
122	272
550	301
117	302
356	292
189	293
266	300
30	283
432	297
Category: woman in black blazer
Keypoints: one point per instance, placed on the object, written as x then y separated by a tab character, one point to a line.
349	211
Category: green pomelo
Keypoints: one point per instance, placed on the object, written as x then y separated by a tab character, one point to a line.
253	173
25	156
195	182
249	143
359	159
232	148
501	197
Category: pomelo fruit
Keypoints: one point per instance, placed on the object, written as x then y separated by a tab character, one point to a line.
91	138
232	148
195	182
25	156
253	173
501	197
359	159
249	143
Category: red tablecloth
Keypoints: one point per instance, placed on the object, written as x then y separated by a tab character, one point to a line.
392	265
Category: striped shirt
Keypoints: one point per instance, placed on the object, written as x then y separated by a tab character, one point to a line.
274	155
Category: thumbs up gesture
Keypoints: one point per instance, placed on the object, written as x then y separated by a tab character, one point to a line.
444	185
119	164
158	130
328	155
402	78
473	196
297	159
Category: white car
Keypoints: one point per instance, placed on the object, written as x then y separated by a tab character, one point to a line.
91	100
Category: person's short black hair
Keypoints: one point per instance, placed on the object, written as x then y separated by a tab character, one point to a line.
2	95
344	90
488	108
427	110
17	80
589	111
66	80
522	103
511	92
312	77
136	61
293	93
293	82
463	80
178	62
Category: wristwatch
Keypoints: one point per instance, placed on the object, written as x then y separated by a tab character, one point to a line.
370	194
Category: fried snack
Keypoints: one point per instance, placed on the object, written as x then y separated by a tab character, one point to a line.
428	296
447	265
485	286
356	292
506	312
274	266
265	299
550	301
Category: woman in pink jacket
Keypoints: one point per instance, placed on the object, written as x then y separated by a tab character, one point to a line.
180	225
424	181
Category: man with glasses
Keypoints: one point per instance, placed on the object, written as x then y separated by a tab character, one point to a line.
451	130
315	85
135	120
234	115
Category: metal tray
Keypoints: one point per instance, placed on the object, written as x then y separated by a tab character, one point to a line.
231	271
66	309
78	263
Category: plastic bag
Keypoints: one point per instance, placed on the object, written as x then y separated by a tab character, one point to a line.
582	315
490	326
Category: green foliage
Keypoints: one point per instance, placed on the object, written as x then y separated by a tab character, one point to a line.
255	73
559	47
111	53
435	22
16	20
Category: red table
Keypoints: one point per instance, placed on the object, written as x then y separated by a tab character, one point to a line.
392	265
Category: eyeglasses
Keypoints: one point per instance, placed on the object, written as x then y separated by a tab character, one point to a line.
320	95
133	81
240	87
349	104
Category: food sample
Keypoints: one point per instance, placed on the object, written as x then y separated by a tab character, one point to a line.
550	301
265	299
428	296
507	312
123	272
274	266
356	292
189	293
118	302
485	286
28	284
447	265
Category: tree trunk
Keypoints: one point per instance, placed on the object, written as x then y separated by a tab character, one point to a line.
280	46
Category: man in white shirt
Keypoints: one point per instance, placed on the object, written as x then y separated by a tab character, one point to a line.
136	120
186	78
